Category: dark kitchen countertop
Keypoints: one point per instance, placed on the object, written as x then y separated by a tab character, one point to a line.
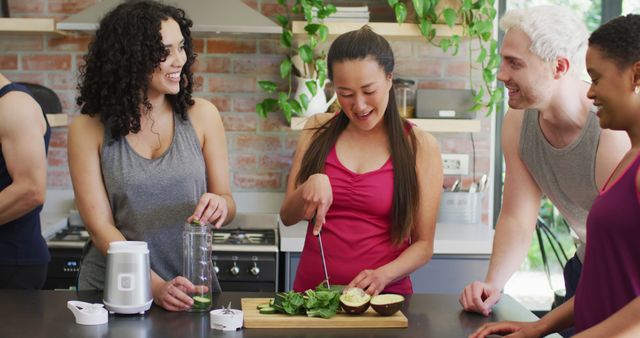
44	313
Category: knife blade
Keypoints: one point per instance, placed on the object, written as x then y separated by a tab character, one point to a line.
324	263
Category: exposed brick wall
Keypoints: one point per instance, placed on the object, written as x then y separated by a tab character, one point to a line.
227	71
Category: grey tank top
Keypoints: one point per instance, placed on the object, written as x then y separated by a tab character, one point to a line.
150	200
566	175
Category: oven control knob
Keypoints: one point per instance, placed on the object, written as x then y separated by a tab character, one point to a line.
235	270
255	270
216	269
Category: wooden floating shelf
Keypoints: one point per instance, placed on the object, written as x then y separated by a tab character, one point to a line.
48	25
448	126
382	28
58	120
28	25
430	125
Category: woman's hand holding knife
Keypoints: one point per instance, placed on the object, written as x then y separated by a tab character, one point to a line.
317	197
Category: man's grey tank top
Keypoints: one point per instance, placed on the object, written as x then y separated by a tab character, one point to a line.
567	175
150	200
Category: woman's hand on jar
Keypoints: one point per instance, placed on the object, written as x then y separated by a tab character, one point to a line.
172	295
317	197
211	209
371	281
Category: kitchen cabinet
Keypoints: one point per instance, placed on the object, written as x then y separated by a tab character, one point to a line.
383	28
461	255
43	313
430	125
28	25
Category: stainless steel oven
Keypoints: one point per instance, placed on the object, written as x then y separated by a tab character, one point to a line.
66	248
245	254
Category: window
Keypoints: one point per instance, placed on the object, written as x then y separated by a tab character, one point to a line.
590	9
630	6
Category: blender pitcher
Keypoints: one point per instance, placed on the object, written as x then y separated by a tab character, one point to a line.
196	245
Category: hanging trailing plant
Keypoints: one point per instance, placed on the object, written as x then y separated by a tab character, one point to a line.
476	18
312	66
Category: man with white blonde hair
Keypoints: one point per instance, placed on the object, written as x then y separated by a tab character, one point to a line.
552	142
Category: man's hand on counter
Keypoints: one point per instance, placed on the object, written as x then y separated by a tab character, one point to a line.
479	297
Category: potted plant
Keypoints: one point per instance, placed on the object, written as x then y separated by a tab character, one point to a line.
476	18
301	63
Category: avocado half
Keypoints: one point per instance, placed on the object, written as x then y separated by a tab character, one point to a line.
354	301
387	304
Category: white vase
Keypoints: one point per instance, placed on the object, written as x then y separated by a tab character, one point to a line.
317	104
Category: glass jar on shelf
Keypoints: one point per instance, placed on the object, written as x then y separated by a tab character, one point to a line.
405	92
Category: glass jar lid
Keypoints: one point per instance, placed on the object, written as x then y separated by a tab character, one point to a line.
403	82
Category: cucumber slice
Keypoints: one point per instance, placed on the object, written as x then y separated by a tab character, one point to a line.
201	302
260	306
267	310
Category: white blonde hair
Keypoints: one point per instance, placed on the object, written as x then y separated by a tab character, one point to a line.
555	31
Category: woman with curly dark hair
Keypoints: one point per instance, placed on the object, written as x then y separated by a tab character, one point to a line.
145	156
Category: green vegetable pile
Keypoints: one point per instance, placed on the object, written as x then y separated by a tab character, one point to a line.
321	302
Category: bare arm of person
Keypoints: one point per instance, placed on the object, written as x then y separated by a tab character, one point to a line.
217	205
22	129
429	172
612	147
84	142
515	226
314	196
558	319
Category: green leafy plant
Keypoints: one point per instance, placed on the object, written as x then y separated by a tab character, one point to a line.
290	302
477	20
321	302
315	33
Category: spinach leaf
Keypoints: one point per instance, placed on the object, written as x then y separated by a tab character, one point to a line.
321	302
289	302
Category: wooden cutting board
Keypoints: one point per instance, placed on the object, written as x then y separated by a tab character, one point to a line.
254	319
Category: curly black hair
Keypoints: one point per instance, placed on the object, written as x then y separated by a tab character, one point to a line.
619	39
122	57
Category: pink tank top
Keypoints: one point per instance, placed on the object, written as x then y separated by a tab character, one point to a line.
356	235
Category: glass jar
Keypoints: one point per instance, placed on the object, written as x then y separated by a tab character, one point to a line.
197	268
405	92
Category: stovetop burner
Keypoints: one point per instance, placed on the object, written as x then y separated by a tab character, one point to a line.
244	237
71	236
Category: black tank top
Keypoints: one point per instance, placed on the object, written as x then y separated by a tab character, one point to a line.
21	241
